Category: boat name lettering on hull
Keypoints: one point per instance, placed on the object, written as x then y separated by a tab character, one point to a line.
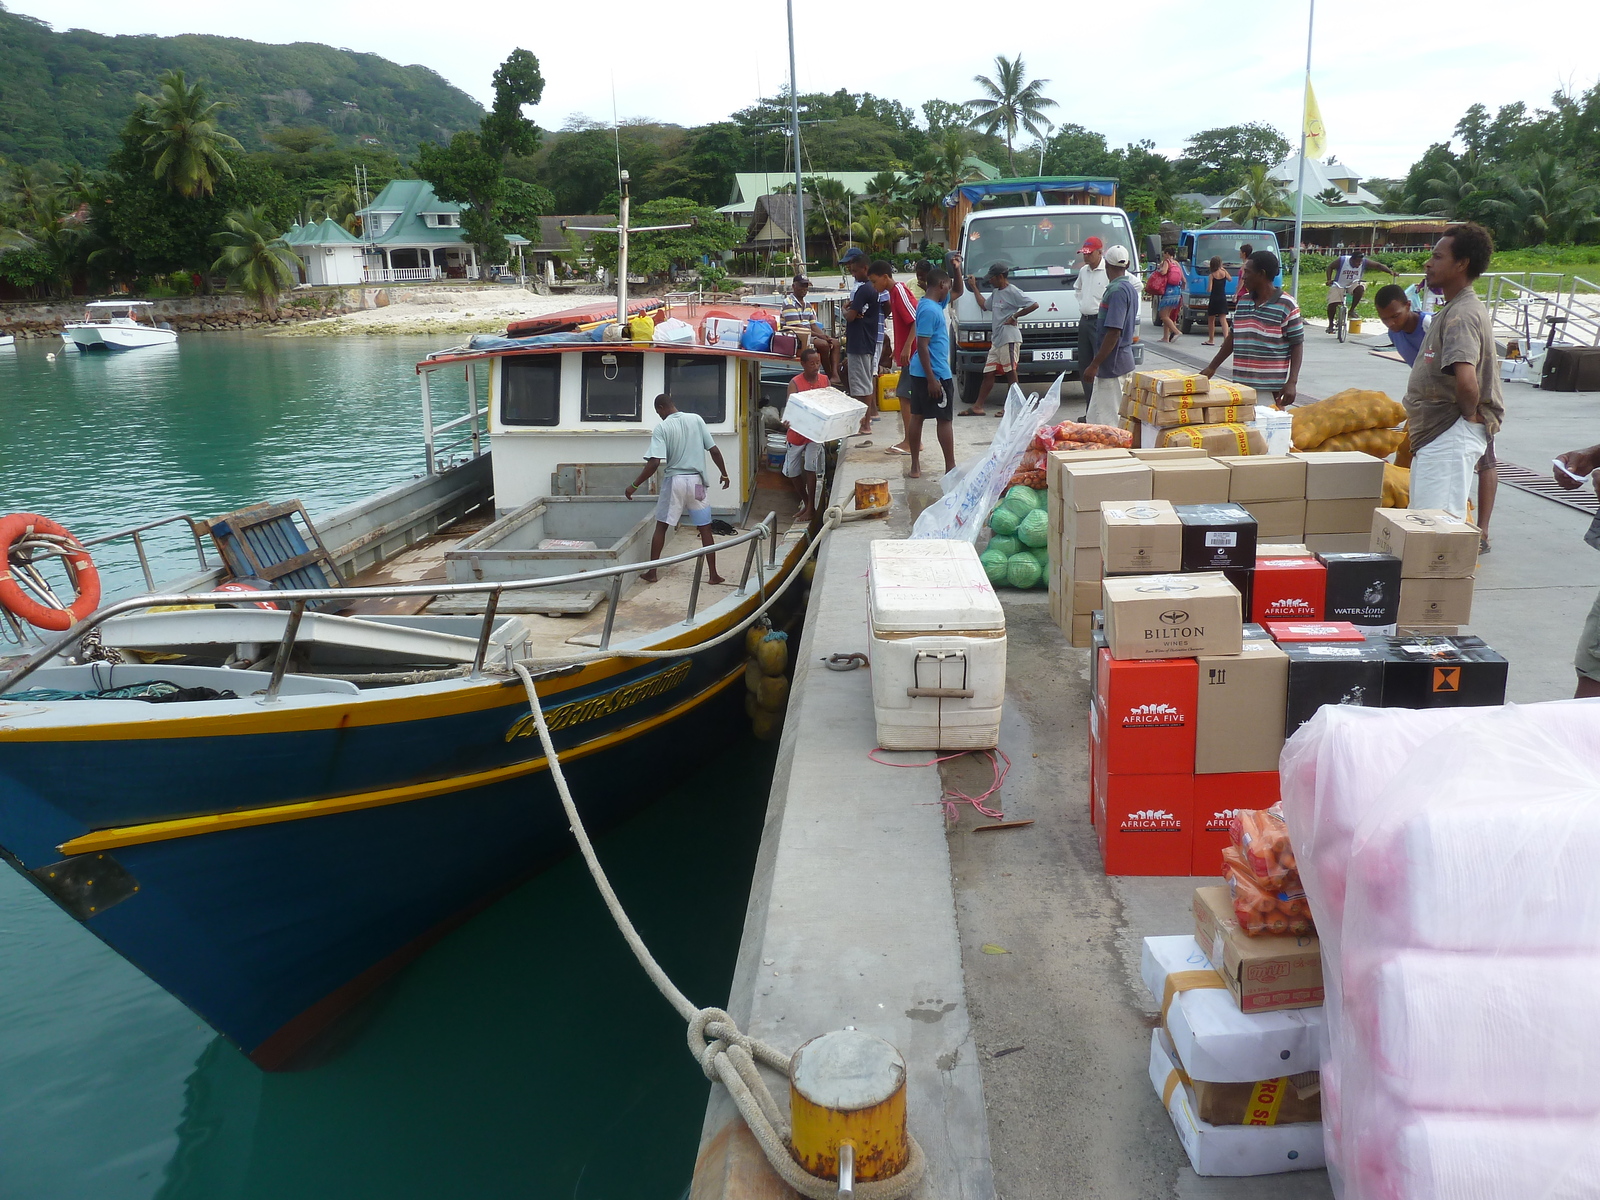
565	715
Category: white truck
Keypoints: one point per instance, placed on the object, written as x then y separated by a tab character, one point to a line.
1041	247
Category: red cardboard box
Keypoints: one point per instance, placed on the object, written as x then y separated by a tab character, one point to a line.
1096	750
1314	631
1143	822
1289	589
1216	797
1147	710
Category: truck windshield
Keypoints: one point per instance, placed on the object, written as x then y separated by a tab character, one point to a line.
1226	245
1041	243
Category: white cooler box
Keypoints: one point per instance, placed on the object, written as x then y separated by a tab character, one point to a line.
938	647
823	414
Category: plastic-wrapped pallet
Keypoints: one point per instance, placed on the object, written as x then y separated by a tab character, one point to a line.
1462	961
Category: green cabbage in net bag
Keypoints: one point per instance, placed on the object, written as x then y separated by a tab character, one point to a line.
1006	545
1034	529
1023	570
1023	500
995	563
1004	520
1042	553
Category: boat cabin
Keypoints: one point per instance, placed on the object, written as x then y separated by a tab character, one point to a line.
572	416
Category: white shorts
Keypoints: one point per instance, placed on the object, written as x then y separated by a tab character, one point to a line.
1337	293
1002	358
683	494
1443	471
807	457
861	374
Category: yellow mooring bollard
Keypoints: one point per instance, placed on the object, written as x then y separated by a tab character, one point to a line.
847	1108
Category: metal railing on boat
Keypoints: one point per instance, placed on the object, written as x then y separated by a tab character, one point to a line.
137	532
299	598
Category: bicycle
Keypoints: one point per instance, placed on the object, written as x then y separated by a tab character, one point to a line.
1342	314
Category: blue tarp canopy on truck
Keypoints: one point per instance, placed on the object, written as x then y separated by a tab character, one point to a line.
972	193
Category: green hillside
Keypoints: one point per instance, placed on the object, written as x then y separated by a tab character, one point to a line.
65	95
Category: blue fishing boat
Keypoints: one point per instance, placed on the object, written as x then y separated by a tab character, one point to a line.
273	783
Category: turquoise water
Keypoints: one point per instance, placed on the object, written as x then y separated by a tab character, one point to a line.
525	1055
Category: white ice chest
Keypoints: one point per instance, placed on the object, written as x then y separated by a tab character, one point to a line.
938	646
823	414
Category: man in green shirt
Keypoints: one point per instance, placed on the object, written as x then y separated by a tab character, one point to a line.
678	447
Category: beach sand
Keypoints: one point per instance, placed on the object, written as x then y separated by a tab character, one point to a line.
438	310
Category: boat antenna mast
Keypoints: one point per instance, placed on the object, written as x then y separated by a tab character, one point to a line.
794	133
622	230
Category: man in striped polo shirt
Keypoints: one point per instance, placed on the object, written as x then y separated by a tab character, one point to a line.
1268	336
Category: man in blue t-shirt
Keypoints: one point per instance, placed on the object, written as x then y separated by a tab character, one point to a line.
932	394
862	316
1405	324
1119	321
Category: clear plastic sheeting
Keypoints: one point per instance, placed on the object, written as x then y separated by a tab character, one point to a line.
971	490
1452	860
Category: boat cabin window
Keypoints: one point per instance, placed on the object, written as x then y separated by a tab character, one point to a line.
612	385
530	390
697	383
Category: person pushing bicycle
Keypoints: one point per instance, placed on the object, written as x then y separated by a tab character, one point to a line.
1346	278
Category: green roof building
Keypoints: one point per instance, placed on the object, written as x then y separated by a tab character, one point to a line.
410	234
330	255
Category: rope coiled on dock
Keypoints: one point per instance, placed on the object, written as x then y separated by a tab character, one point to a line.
725	1053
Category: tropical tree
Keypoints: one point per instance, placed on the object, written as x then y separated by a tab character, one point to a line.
46	234
471	170
1012	102
876	228
1332	196
934	175
255	258
1550	203
881	187
1257	197
183	138
828	205
1457	190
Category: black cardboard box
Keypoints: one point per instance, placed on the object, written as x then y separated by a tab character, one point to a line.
1363	589
1424	671
1332	673
1217	537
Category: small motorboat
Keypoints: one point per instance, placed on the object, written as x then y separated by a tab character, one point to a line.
118	325
8	339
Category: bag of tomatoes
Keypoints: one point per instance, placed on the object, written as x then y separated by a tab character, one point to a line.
1262	908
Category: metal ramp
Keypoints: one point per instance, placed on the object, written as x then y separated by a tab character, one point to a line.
1565	311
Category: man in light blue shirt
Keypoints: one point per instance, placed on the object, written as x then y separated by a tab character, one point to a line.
678	447
1405	324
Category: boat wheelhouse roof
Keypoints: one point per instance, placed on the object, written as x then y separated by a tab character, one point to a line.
120	304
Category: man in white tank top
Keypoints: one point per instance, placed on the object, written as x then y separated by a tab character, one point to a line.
1345	275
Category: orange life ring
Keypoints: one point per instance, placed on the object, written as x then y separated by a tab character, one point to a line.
85	578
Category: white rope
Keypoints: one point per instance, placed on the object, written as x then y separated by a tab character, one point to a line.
715	1040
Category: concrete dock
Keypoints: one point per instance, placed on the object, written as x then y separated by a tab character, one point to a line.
1005	966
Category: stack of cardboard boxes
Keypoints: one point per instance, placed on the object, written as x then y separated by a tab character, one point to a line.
1237	1053
1174	408
1077	484
1438	555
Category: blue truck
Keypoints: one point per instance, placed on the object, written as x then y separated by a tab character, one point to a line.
1196	249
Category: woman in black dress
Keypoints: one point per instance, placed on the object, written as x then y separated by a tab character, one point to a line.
1217	305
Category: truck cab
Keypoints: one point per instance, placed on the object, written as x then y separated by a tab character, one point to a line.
1196	249
1040	245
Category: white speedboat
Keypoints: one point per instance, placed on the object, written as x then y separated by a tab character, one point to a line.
8	339
118	325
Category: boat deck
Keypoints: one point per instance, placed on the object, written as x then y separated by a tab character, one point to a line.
567	623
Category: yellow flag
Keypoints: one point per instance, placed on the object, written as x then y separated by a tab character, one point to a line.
1316	135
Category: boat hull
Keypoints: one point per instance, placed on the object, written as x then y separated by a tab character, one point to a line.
273	871
116	337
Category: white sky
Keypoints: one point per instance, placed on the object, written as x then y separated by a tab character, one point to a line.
1391	76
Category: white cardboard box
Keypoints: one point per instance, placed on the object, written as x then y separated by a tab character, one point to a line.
1214	1040
1229	1150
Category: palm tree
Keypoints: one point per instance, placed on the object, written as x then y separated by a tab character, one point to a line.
1332	196
1257	197
1550	203
184	138
933	176
1457	187
1010	103
827	204
877	227
881	187
255	257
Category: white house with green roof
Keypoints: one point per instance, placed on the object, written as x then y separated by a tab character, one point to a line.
330	254
410	235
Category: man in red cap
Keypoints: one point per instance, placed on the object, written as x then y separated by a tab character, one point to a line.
1091	287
